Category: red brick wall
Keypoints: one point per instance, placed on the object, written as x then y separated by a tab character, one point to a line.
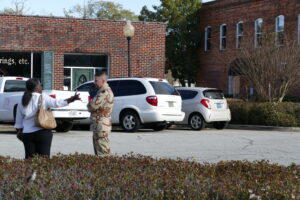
63	35
213	71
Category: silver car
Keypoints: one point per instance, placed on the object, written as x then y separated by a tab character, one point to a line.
204	105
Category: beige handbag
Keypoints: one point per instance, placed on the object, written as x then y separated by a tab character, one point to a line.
44	118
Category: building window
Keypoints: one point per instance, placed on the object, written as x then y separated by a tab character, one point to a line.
207	38
80	68
299	29
279	30
223	34
258	32
239	34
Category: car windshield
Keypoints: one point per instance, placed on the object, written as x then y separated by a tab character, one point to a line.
163	88
213	94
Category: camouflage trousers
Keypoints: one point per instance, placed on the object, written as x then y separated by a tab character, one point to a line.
101	144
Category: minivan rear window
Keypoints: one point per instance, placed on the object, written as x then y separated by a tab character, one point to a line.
163	88
213	94
130	88
15	86
86	87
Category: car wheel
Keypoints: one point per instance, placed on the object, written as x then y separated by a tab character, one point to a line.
169	126
196	122
159	127
220	125
130	121
63	126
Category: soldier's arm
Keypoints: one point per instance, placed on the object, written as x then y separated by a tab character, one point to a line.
97	102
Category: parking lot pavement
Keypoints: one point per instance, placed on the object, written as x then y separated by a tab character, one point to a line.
203	146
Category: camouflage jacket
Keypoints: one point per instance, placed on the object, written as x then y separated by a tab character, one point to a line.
101	108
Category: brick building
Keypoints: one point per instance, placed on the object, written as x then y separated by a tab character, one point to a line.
225	22
67	51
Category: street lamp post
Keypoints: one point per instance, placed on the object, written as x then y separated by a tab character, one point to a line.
129	33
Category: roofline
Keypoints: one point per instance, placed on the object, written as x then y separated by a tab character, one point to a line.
145	78
216	4
210	2
77	18
197	88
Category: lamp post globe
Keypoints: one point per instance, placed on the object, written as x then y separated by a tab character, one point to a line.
128	30
129	33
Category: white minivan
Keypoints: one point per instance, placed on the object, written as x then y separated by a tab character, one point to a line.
149	102
204	105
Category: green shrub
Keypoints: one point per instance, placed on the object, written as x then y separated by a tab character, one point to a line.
138	177
267	114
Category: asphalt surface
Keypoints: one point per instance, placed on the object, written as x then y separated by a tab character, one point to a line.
202	146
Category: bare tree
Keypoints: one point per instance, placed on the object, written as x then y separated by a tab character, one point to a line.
19	8
272	70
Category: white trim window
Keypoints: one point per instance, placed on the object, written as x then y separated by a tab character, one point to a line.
299	29
279	30
223	36
239	34
258	32
207	46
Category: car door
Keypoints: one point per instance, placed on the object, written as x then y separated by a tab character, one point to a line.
189	103
129	94
117	101
12	93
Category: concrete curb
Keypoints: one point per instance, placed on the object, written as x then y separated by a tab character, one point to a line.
7	128
10	128
263	128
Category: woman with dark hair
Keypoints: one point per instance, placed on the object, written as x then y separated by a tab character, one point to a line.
37	141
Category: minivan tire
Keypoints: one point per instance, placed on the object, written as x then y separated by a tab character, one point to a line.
130	121
220	125
196	122
159	127
63	126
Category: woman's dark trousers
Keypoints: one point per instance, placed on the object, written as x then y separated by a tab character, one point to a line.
37	143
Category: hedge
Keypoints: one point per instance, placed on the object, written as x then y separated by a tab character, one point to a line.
268	114
139	177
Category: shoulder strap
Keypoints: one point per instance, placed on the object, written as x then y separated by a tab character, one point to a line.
40	101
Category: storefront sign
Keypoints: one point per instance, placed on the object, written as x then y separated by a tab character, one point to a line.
15	64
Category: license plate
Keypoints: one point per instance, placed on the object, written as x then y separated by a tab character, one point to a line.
171	104
72	113
219	105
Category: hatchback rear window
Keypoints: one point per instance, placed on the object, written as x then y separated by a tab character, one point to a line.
187	94
15	86
163	88
213	94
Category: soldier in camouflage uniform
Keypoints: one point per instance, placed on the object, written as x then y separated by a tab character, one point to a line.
101	108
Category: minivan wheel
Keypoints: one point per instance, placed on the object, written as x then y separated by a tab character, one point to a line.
130	121
159	127
196	122
220	125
